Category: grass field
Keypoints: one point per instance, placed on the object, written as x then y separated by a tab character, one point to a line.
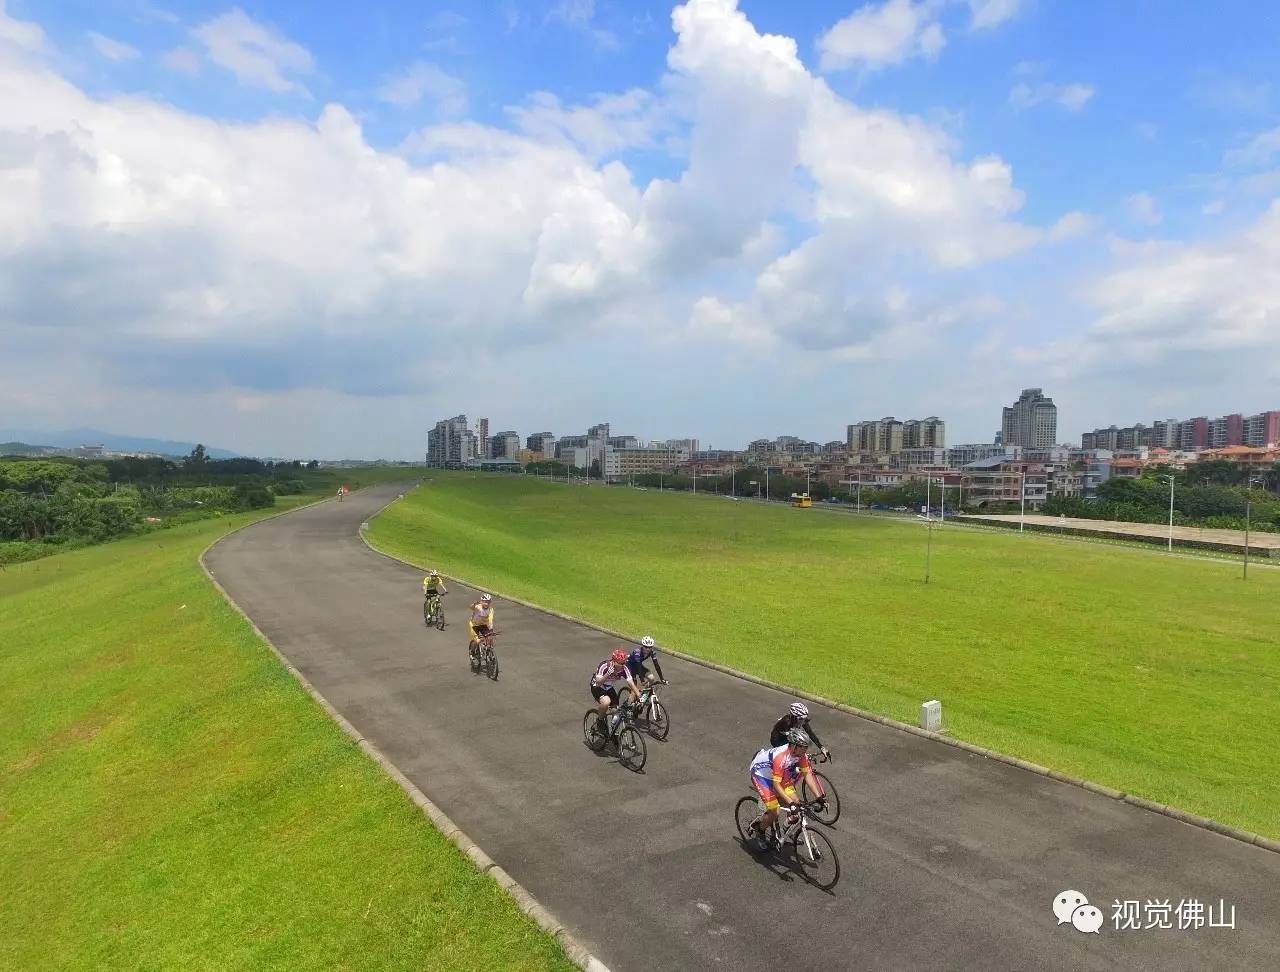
170	798
1155	675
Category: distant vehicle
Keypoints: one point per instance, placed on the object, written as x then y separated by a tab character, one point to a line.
902	509
801	500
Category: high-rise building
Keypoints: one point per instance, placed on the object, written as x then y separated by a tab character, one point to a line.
504	445
1262	430
1193	434
543	442
927	433
482	429
1228	430
451	441
1031	422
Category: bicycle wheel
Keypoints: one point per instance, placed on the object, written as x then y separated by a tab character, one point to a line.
475	659
592	734
831	813
426	613
491	664
817	858
745	813
439	619
631	750
659	721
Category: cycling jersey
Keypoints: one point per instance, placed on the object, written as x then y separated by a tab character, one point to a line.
778	766
778	737
482	616
607	673
431	584
636	660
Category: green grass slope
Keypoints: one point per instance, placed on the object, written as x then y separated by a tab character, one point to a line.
170	798
1151	674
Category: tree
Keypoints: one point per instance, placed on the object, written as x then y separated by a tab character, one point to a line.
197	460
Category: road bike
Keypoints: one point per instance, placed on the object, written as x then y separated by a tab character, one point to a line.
483	657
620	731
814	854
649	713
827	805
433	611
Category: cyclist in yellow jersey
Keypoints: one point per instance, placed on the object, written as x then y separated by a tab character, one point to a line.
432	588
480	624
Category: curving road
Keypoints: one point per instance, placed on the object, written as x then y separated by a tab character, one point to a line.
950	861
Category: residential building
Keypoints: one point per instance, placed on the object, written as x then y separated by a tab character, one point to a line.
962	455
924	433
1226	431
1164	434
1003	479
686	445
451	442
1262	430
504	445
1249	458
622	441
619	463
543	443
482	430
1193	434
1031	421
883	437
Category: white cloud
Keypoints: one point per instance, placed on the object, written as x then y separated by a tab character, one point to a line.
422	80
1258	151
1214	208
23	34
183	60
256	54
1143	208
580	15
1072	97
992	13
111	49
1073	224
170	249
877	36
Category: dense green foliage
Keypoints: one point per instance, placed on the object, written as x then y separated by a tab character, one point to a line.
59	503
1146	672
170	798
1212	496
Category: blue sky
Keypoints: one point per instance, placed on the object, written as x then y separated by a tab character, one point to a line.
308	227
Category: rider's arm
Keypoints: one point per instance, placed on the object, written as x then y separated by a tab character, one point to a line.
778	770
631	683
657	667
808	727
777	735
443	589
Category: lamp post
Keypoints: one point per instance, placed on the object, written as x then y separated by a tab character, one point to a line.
1170	478
766	484
1248	502
1022	516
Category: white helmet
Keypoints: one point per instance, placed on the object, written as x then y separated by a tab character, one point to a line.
433	573
647	641
486	597
799	710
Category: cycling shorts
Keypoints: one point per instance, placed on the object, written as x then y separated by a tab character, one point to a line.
768	795
478	631
599	691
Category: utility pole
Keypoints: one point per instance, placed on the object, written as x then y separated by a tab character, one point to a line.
1022	517
1170	478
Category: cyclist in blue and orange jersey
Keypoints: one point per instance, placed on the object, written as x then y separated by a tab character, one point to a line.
608	673
480	624
635	661
774	773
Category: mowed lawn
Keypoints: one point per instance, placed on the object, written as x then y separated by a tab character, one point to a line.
1159	676
170	798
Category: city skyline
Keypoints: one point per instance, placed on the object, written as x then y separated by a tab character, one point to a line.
299	234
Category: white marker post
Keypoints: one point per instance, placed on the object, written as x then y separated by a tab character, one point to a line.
931	716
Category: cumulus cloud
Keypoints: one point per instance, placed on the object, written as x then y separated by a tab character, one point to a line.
877	36
256	54
182	251
183	60
1073	224
1258	150
111	49
422	80
1072	97
580	15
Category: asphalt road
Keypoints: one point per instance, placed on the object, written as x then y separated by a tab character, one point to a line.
950	860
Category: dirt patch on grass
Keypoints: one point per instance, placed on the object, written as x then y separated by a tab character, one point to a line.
82	731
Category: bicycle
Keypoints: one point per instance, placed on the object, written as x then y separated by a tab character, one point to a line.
649	713
483	657
826	806
433	611
819	864
621	731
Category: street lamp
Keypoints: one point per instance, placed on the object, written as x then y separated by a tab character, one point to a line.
1248	502
1170	478
1022	516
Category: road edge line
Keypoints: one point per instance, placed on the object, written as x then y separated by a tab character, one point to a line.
576	952
1173	813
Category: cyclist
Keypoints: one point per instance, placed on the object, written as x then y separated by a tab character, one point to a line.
432	588
774	773
480	624
635	661
610	671
797	717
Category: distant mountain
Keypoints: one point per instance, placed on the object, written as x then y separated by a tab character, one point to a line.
23	449
69	438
